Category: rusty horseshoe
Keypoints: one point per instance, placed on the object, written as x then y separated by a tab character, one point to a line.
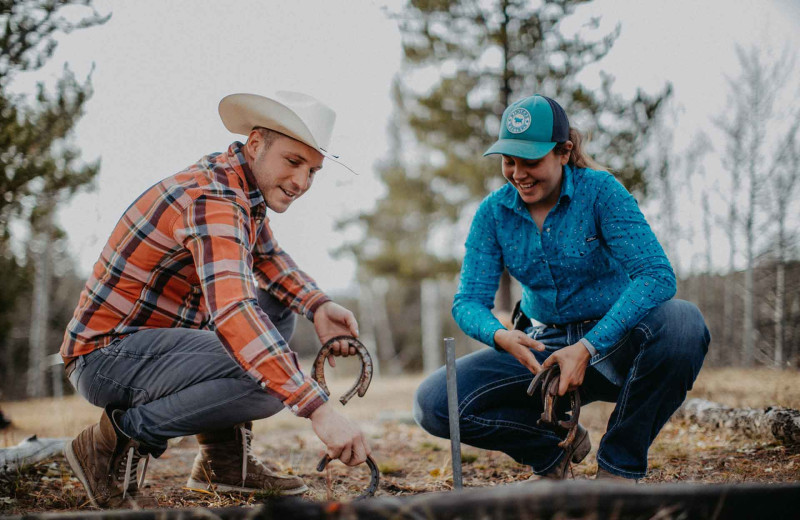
366	367
547	380
361	386
374	475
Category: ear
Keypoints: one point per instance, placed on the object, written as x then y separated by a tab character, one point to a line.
253	144
565	157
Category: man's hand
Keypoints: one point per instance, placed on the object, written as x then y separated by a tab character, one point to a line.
331	320
519	345
572	361
342	438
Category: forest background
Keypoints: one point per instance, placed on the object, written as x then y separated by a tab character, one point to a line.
692	106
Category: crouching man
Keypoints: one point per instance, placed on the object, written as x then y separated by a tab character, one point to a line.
172	336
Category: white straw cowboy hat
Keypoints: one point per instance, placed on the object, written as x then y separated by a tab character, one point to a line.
294	114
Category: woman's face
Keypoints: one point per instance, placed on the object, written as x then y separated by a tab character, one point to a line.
538	181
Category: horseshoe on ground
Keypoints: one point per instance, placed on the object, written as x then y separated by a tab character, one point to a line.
374	475
363	381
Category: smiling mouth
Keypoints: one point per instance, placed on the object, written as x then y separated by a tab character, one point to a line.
289	193
527	185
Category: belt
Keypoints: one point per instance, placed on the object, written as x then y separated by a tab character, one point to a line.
70	367
565	325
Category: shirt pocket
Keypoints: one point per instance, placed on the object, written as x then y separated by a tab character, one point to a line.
580	246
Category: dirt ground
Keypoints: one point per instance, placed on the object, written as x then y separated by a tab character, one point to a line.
410	460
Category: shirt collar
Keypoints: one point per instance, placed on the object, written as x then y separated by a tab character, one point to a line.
511	199
238	161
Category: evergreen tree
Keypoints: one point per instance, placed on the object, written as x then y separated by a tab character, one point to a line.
39	166
487	55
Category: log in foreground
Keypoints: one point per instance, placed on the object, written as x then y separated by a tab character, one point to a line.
583	499
30	451
781	423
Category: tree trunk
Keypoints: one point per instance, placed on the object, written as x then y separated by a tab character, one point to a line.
366	326
780	290
37	340
431	321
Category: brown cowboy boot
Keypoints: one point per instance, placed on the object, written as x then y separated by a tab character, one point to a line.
575	452
226	463
106	460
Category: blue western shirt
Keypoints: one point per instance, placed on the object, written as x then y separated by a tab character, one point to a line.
595	258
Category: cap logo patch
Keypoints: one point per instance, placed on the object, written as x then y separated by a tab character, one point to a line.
518	121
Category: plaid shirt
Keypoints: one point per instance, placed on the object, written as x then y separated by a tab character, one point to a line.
187	253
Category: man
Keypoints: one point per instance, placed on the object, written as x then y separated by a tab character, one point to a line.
172	336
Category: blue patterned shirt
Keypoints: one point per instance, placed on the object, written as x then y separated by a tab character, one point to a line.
595	258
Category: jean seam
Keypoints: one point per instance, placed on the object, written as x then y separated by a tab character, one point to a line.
114	382
493	385
216	404
623	400
510	424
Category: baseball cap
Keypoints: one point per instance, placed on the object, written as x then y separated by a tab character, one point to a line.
530	128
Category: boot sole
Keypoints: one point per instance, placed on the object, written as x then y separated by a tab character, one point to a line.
225	488
75	464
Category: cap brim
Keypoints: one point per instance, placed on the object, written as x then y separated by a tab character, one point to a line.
520	148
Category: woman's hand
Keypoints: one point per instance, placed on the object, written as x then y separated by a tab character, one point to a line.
572	361
519	345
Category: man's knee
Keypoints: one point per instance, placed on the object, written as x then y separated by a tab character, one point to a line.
430	406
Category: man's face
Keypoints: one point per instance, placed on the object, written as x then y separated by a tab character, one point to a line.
284	169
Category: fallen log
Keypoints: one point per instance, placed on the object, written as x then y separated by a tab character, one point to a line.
580	499
30	451
781	423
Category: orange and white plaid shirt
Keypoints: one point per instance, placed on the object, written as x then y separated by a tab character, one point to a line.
187	253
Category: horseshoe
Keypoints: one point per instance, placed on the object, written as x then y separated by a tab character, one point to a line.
548	380
374	475
363	381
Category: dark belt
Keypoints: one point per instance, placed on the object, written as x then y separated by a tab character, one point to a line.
70	367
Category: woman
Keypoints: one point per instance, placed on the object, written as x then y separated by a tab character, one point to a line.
595	277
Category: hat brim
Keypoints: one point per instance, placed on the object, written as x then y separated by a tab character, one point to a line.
520	148
241	113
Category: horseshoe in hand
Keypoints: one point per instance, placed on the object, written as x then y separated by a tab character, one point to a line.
364	379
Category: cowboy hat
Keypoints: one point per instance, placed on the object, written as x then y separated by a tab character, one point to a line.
294	114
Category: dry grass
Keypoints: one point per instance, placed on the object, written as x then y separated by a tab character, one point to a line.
412	461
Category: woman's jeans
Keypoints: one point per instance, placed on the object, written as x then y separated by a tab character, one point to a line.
176	382
647	373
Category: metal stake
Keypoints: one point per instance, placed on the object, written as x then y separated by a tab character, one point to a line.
452	410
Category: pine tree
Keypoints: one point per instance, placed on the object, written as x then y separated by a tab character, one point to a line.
40	166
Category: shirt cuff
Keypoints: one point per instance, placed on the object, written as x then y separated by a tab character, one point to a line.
306	399
313	302
589	347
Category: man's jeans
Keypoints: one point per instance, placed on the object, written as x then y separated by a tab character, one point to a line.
648	372
176	382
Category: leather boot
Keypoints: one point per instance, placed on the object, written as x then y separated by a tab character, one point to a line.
226	463
576	452
106	461
607	475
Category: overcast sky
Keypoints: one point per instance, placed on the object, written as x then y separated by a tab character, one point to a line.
160	68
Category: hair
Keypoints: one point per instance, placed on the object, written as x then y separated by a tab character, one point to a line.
269	136
577	157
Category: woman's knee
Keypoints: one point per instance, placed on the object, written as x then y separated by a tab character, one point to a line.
683	325
430	405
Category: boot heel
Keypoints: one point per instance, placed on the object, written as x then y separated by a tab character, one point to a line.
582	449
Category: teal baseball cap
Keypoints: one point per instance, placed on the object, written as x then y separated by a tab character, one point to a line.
530	128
